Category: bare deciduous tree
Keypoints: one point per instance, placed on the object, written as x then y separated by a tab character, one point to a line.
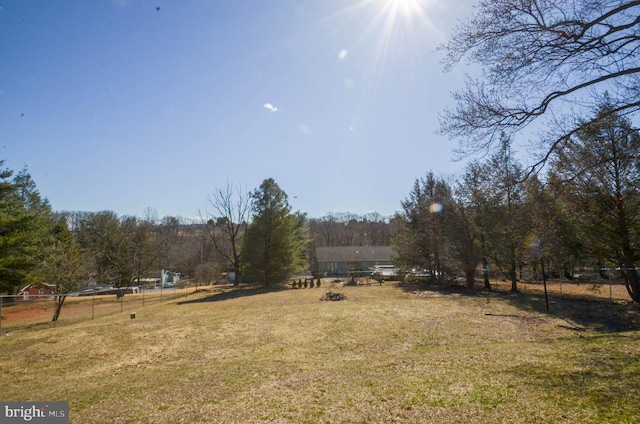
540	59
62	264
348	229
225	220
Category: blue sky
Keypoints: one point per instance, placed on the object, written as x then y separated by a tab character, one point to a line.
126	105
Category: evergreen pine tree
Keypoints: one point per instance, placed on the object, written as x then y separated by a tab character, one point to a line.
276	240
25	219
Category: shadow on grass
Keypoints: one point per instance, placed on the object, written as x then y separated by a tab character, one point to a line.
592	364
222	293
581	313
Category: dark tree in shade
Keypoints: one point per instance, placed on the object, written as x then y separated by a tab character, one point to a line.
597	178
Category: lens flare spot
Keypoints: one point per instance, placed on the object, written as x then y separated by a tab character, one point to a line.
304	128
436	207
343	54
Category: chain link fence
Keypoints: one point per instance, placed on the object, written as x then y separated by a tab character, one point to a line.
23	312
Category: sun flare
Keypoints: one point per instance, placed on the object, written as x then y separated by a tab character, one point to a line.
406	7
394	37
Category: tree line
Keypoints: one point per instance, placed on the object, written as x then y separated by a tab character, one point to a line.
571	68
252	232
582	214
253	236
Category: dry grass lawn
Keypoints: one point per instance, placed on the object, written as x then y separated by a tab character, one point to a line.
386	354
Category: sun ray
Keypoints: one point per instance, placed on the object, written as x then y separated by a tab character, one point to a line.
406	7
400	27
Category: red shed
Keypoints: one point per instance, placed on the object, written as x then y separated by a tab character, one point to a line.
38	290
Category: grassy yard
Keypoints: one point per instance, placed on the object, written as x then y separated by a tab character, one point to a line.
386	354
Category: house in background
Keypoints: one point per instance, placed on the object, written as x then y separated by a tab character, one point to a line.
169	279
340	261
39	290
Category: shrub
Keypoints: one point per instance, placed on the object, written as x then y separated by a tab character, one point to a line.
318	282
305	284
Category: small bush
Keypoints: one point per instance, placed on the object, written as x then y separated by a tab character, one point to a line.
305	284
311	283
318	282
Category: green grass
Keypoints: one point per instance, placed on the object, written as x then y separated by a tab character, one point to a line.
383	355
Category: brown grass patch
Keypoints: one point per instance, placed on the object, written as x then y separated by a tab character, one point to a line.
383	355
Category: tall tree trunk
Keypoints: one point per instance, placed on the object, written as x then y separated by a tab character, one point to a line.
470	274
632	282
485	263
59	300
631	278
485	273
512	275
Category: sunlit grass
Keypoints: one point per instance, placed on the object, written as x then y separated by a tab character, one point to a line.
383	355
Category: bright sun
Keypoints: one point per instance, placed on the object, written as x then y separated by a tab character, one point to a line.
396	32
406	7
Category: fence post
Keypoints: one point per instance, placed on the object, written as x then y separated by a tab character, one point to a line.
610	291
544	280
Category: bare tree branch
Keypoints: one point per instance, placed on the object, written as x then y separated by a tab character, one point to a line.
226	220
537	57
